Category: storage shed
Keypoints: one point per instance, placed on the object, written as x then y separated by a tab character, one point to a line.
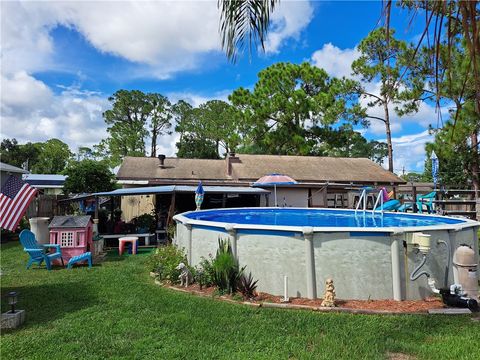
74	234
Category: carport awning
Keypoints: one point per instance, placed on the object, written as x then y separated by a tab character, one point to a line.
182	189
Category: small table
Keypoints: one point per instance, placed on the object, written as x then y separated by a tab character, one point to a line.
131	239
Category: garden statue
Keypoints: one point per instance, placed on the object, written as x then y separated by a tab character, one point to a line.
185	274
329	296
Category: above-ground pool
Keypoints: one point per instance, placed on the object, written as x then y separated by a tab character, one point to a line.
368	255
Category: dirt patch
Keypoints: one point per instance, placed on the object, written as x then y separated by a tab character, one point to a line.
407	306
399	356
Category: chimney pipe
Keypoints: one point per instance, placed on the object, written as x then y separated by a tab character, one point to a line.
161	159
230	159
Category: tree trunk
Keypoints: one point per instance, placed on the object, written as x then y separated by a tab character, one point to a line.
389	137
153	153
475	165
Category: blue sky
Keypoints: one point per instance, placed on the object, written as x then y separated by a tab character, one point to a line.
61	61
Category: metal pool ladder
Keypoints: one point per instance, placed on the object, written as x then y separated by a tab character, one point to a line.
363	200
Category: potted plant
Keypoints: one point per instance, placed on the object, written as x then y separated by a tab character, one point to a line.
145	223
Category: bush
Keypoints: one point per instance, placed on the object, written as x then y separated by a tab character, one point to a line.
226	269
145	222
247	286
205	272
164	261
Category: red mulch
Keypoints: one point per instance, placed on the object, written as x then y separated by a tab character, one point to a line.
406	306
388	305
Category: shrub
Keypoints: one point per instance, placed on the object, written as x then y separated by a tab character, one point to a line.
205	272
145	222
164	261
247	286
226	269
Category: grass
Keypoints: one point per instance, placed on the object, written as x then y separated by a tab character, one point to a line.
115	311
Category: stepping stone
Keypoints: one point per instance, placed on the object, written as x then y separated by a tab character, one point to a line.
450	311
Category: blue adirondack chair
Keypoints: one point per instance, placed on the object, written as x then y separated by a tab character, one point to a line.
37	251
427	201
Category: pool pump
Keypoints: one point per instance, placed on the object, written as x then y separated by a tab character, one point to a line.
455	294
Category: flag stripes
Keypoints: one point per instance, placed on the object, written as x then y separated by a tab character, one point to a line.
14	204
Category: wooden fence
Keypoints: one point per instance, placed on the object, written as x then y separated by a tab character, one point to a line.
45	206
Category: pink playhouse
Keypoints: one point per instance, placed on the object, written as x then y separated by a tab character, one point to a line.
74	234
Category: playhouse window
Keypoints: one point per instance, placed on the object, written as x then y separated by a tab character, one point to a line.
66	239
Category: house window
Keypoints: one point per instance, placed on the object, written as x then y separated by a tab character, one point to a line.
66	239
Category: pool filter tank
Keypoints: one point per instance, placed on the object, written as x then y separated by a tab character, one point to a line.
465	270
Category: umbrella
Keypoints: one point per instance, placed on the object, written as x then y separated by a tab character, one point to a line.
199	194
274	180
434	159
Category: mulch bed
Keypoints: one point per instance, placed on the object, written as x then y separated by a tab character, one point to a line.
354	306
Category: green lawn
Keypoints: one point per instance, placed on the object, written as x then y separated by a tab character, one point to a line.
115	311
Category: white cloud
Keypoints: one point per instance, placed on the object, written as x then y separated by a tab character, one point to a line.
164	37
409	151
288	20
196	99
32	112
335	61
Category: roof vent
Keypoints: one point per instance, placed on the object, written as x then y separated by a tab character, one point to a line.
161	159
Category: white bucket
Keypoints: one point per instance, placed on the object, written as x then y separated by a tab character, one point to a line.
39	226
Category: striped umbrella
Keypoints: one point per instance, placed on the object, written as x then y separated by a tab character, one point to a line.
434	159
199	195
274	180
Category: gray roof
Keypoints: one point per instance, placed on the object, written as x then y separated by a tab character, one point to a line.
12	169
45	181
249	168
70	221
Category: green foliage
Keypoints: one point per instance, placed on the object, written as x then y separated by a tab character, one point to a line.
417	177
243	22
145	221
134	117
88	176
456	144
53	157
18	155
126	124
227	271
50	157
458	159
247	286
213	123
205	271
160	119
345	142
164	262
289	102
190	147
171	229
391	63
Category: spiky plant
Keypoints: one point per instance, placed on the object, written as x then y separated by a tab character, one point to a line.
247	286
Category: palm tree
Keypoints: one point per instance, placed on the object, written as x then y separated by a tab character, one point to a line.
243	21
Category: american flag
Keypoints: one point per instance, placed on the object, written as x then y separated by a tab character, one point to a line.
15	197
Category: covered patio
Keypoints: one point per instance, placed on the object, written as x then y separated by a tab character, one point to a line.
165	201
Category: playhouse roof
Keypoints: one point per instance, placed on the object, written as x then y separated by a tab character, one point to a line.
70	221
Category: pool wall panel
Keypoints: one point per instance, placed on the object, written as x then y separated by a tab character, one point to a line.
271	258
361	268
